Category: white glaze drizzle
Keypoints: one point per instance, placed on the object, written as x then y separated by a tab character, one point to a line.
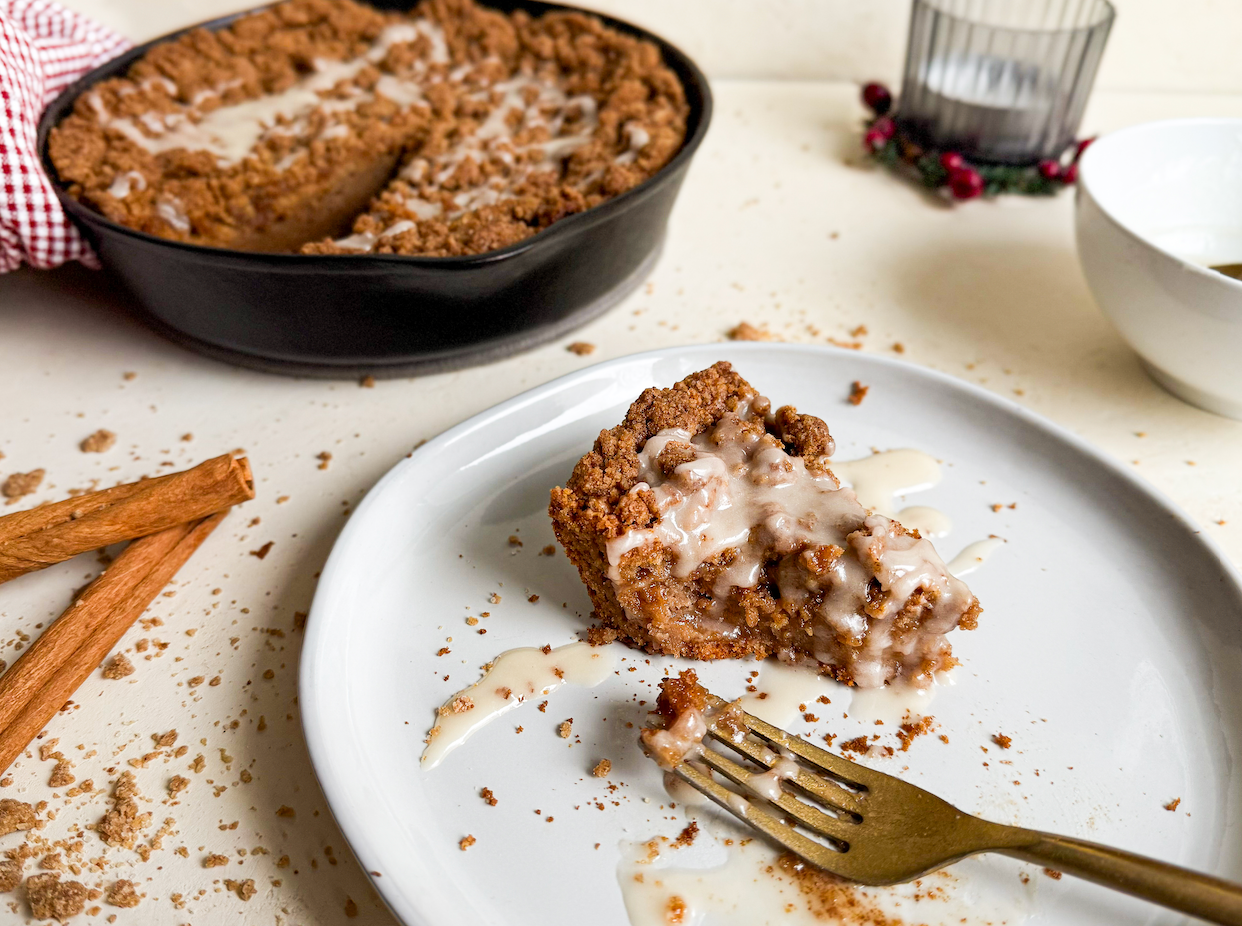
233	131
973	556
509	681
783	692
878	478
124	183
930	522
730	880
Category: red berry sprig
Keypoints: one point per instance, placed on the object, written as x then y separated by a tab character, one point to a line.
949	170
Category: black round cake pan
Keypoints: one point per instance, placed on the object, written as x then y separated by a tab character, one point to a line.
391	315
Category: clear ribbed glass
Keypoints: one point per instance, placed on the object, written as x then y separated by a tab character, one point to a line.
1002	81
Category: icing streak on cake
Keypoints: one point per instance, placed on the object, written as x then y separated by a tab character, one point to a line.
736	511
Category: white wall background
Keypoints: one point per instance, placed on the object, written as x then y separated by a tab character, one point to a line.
1191	45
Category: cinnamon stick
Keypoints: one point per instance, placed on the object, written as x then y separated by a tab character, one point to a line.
37	538
63	657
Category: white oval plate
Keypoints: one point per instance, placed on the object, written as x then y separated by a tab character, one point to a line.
1110	650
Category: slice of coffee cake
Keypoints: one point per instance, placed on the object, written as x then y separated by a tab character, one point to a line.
708	525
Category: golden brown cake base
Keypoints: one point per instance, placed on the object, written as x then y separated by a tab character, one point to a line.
823	594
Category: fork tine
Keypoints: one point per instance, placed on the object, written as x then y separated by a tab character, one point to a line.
760	819
843	770
835	828
827	792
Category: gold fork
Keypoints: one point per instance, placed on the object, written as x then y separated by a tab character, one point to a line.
877	829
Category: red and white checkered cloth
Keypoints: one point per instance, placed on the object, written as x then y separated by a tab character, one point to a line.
43	49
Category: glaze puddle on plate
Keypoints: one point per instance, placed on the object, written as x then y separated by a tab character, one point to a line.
728	877
1109	651
512	679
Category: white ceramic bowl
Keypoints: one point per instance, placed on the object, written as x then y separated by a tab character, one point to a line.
1156	204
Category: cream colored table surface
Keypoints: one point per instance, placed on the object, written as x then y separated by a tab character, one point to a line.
777	225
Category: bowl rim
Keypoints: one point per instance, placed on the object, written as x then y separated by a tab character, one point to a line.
693	81
1124	135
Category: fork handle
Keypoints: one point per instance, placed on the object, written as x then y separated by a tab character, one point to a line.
1181	889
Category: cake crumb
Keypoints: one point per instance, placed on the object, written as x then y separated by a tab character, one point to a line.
858	392
514	540
284	810
118	667
466	842
602	768
61	777
10	874
51	898
899	348
1001	740
494	598
1173	804
121	893
121	825
367	382
16	815
566	729
1053	874
19	485
687	836
532	598
460	705
98	442
745	331
488	797
215	861
911	729
549	550
177	784
263	550
351	908
581	348
244	889
324	459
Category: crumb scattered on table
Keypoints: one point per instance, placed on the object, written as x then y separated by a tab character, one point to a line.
244	889
121	893
745	331
98	442
19	485
488	797
1001	740
324	459
581	348
566	729
1173	804
602	768
466	842
858	392
51	898
367	382
15	815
